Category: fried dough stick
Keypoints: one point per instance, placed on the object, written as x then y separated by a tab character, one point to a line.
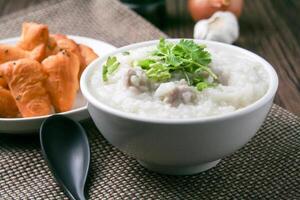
25	78
62	82
9	53
87	53
33	35
3	83
8	107
64	43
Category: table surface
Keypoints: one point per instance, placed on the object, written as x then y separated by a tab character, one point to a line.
269	28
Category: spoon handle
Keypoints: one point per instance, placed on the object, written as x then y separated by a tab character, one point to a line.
72	193
76	196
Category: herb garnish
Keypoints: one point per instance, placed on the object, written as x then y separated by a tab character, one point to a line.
126	53
186	58
109	67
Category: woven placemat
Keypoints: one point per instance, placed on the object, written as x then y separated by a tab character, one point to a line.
268	167
106	20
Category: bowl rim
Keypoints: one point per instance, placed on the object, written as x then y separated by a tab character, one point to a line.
269	95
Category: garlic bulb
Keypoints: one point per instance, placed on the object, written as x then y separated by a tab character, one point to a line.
221	27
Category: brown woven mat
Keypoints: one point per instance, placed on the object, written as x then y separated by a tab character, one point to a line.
106	20
266	168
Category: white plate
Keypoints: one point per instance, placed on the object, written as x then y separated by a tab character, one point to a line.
79	111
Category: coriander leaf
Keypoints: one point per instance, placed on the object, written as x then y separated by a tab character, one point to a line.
186	57
202	57
201	86
109	67
173	61
163	47
125	53
187	78
197	80
104	73
191	50
144	64
158	72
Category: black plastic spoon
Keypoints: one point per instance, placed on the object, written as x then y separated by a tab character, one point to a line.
66	149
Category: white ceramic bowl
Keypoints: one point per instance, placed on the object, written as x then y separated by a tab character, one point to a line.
179	146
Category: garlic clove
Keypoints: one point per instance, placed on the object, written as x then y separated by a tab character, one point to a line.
201	29
222	27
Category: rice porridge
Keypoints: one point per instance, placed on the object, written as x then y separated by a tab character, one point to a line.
179	81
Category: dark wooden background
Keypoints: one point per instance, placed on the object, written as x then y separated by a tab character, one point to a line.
270	28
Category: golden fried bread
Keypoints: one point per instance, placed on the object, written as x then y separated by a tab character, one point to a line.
9	53
40	72
87	53
62	82
3	83
8	107
25	78
64	43
51	47
33	35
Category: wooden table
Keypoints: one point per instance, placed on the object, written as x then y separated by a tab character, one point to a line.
270	28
